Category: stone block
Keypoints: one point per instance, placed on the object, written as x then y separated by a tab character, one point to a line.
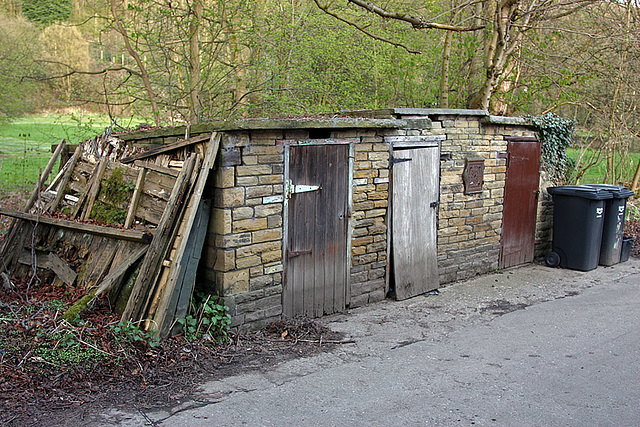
225	177
249	225
220	221
254	170
245	181
361	241
377	246
262	211
363	147
375	212
229	197
249	160
234	282
260	282
224	260
266	235
363	206
242	212
270	179
360	250
274	221
250	261
258	248
378	195
259	191
379	155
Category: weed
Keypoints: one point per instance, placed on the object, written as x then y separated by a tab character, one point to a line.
55	305
131	333
64	348
210	319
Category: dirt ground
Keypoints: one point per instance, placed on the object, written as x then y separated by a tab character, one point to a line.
52	372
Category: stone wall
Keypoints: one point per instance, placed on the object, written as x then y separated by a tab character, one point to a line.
244	248
369	219
243	253
469	225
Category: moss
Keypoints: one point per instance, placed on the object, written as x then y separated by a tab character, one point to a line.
114	193
74	311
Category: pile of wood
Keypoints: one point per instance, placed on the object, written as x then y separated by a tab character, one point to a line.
146	259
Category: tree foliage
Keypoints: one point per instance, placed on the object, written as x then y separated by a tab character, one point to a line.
18	50
47	12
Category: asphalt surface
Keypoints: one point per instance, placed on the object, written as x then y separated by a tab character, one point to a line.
531	346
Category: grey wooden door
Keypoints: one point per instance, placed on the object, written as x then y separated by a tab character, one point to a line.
415	202
316	243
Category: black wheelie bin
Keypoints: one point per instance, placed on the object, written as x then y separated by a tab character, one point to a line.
578	217
613	231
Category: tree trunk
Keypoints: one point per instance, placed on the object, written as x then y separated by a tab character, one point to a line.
194	62
443	101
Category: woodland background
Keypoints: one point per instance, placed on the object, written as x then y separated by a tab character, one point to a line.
185	61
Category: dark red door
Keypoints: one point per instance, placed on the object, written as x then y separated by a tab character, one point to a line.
520	202
316	244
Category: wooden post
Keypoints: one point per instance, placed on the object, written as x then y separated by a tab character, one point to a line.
161	317
65	180
45	175
137	192
156	252
95	188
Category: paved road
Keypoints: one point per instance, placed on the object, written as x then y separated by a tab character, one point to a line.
570	360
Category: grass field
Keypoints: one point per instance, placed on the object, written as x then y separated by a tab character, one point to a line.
25	144
596	173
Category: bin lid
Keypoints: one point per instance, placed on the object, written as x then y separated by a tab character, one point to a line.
618	191
580	191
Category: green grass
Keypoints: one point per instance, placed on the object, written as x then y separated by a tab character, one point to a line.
25	143
596	173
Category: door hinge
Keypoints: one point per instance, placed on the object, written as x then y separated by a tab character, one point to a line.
395	160
290	188
434	204
291	254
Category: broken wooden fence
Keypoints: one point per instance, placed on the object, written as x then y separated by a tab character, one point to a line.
147	265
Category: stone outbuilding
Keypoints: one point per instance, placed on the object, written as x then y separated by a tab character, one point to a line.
312	216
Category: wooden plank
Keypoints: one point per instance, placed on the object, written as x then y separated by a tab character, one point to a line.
96	230
50	261
212	150
115	274
45	175
166	148
415	188
95	188
137	191
186	280
156	168
157	250
62	270
65	180
85	191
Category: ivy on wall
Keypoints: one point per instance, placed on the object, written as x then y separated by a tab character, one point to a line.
555	134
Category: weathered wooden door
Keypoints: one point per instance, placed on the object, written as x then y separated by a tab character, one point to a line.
415	205
316	243
520	202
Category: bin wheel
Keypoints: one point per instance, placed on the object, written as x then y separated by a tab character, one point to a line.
552	259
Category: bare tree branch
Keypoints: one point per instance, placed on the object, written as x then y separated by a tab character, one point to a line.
416	22
326	10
